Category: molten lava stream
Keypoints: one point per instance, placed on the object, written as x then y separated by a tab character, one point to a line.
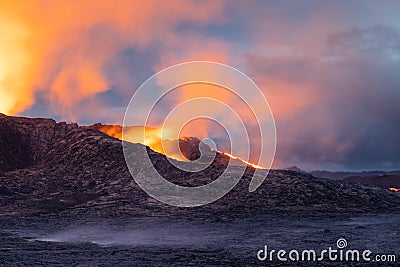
255	166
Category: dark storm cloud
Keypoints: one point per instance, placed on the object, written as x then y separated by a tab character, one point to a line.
351	118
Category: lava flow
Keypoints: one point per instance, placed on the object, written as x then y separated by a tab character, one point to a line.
153	140
394	189
255	166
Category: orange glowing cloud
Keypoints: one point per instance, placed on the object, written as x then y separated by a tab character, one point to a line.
61	47
15	94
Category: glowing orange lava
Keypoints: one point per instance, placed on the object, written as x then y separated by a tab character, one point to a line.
394	189
255	166
153	138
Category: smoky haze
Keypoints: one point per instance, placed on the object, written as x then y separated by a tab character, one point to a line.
328	69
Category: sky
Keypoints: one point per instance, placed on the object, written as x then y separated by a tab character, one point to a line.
329	69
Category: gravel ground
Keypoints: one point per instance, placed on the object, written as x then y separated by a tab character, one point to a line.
182	242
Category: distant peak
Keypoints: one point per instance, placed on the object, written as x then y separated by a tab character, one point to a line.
295	169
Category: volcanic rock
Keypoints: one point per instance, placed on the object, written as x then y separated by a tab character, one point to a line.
385	181
58	167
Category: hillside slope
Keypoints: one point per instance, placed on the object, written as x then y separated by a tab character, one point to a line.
58	167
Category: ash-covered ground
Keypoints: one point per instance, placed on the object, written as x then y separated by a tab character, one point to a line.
158	241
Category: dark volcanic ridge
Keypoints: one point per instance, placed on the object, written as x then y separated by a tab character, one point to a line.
48	167
384	180
344	175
